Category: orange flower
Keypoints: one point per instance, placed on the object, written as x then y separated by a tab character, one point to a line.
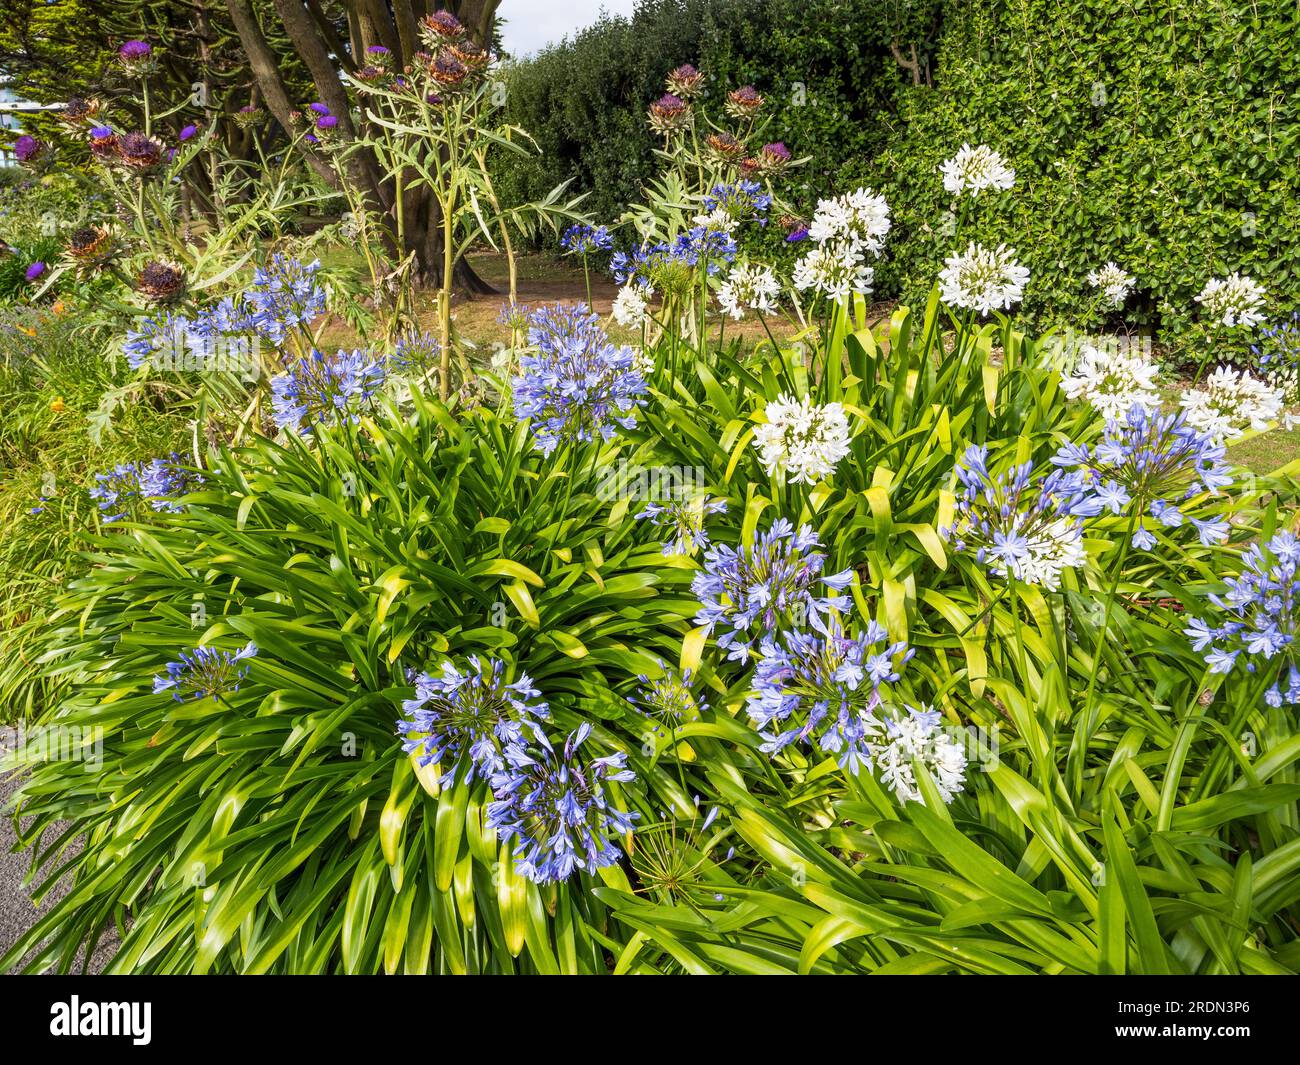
57	405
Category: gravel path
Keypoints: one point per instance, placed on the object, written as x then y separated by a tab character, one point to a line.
17	913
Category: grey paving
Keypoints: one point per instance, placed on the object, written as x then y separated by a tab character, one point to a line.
17	912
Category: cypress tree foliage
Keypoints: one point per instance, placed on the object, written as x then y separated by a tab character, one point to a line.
833	72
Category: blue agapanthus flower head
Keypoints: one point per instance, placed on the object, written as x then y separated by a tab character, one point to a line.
415	351
713	247
683	520
555	805
471	715
227	317
1016	523
205	672
582	239
1258	618
131	489
1277	353
578	385
1148	466
325	389
515	315
168	341
638	266
284	295
667	267
823	689
743	201
669	700
772	584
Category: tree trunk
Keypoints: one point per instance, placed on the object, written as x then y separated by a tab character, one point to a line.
265	67
314	39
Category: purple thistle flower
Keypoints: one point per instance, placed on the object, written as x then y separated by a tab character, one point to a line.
744	102
471	717
685	81
766	587
139	151
35	270
136	57
669	113
103	144
205	672
188	131
579	385
27	149
440	28
326	122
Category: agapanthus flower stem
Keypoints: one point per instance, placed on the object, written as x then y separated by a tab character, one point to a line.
985	612
1210	349
1084	726
786	376
1014	592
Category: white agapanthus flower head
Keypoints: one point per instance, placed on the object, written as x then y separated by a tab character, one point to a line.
858	219
631	306
918	737
719	220
1115	284
1113	380
1230	402
983	279
802	440
751	287
1052	548
976	170
834	269
1233	300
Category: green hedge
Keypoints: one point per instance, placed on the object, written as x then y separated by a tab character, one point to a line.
1161	135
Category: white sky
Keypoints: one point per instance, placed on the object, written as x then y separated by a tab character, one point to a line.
529	25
